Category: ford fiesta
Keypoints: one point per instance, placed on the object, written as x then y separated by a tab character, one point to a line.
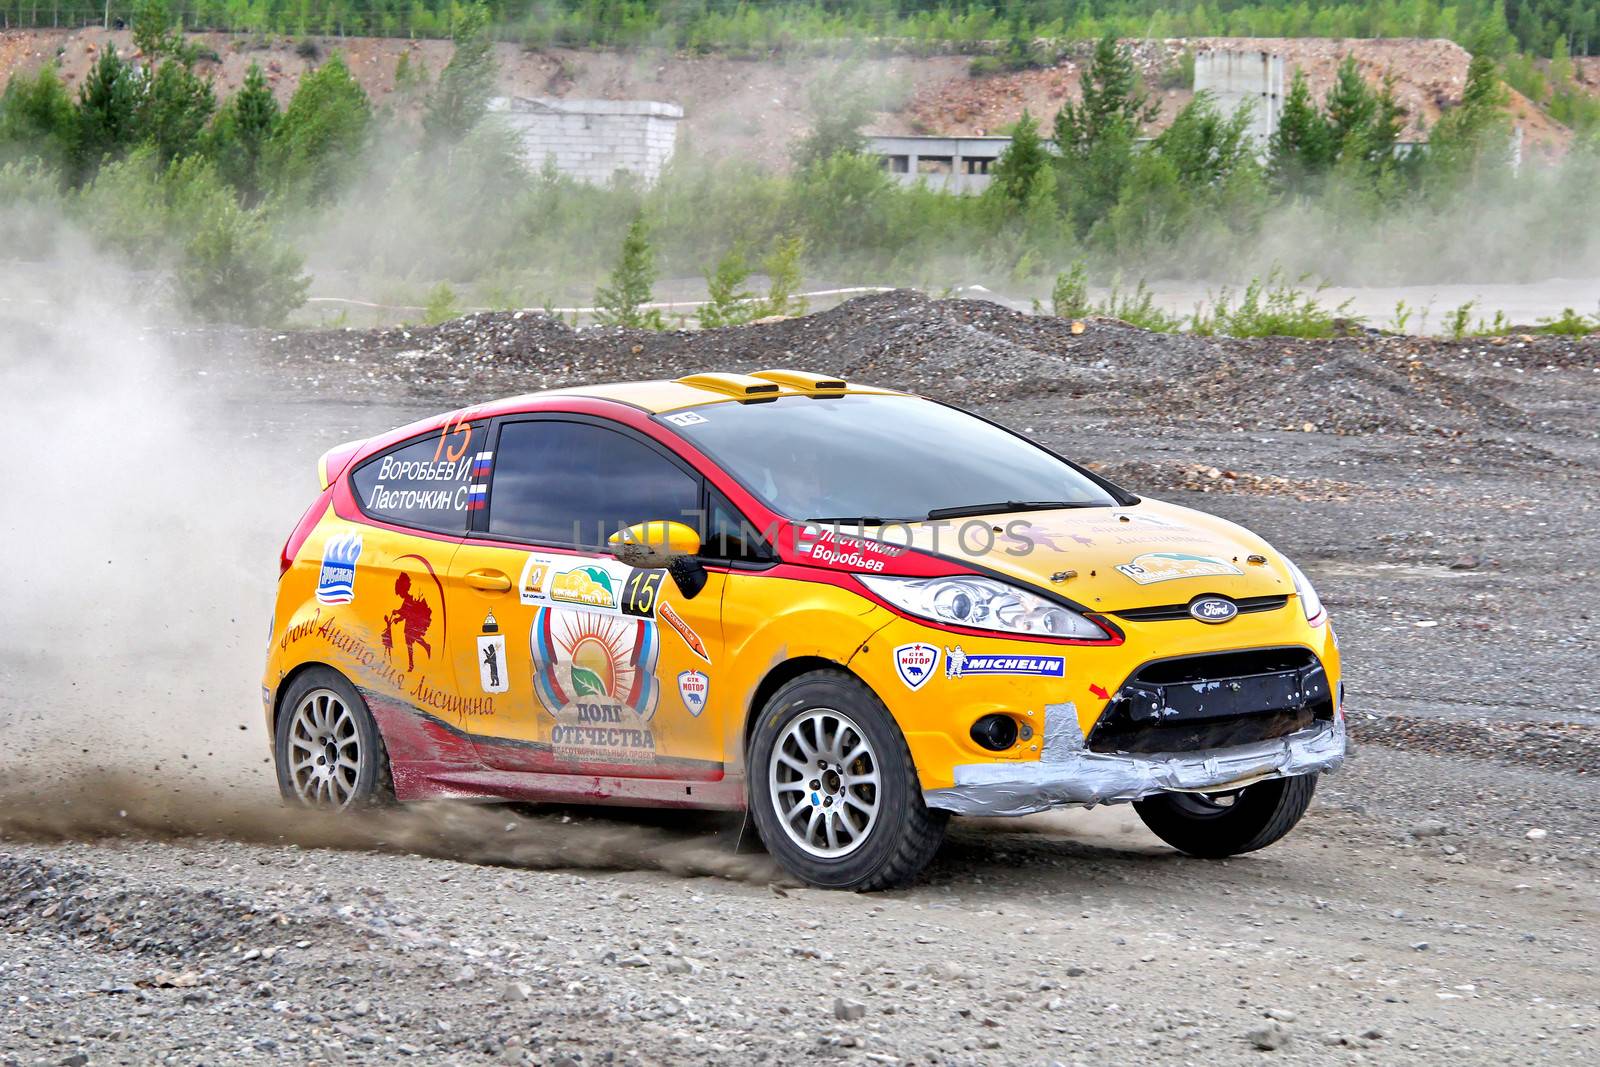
852	611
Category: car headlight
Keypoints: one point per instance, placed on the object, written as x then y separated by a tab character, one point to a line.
983	604
1308	595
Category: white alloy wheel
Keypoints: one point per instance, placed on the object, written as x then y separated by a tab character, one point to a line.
824	783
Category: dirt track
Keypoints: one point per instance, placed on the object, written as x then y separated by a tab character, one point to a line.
1443	498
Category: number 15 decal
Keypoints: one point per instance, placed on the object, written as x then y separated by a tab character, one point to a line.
640	591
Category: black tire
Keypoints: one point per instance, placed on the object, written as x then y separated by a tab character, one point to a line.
371	785
1242	820
899	844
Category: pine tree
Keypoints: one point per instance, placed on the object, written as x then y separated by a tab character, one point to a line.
1351	108
242	133
1022	173
36	118
323	132
1095	137
462	95
1112	99
621	300
108	113
1299	149
176	106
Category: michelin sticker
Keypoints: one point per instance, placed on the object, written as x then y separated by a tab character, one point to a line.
693	688
915	664
336	582
959	664
1165	566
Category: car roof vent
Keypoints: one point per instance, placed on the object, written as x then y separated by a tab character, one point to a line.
739	385
803	381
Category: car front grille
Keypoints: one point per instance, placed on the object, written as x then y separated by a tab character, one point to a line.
1216	700
1172	612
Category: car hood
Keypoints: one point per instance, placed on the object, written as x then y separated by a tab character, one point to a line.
1112	558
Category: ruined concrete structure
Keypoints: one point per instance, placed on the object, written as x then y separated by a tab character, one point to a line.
1252	78
592	140
948	164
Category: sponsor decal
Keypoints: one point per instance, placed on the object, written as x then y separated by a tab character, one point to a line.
530	587
336	582
594	674
413	615
1213	608
915	663
683	630
687	418
640	591
1165	566
959	664
828	547
492	657
589	586
693	689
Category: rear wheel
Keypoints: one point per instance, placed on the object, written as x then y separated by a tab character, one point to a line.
327	746
832	788
1214	825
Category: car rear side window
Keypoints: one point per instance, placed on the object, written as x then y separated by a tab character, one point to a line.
434	482
576	483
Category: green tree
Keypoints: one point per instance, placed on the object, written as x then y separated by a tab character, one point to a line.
462	95
621	300
1471	138
839	110
1352	108
1299	149
36	119
323	133
1095	136
782	265
1023	174
730	303
108	113
242	133
155	31
174	110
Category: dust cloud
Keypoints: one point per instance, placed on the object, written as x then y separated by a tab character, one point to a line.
146	498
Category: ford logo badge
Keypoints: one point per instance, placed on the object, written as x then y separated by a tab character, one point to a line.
1213	608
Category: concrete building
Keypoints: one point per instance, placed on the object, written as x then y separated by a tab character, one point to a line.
592	140
948	164
1234	78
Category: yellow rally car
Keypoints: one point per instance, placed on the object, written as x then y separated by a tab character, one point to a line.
852	610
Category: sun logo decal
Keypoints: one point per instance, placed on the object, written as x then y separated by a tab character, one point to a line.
589	657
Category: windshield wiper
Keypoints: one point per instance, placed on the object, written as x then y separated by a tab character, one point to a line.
853	520
1000	507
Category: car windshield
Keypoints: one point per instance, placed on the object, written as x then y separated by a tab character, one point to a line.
868	458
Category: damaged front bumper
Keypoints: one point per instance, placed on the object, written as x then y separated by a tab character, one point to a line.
1066	773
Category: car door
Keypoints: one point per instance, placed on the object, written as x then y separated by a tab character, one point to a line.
582	663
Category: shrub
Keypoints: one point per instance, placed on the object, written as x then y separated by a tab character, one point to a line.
621	300
1270	308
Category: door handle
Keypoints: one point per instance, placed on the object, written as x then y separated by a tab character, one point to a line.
489	581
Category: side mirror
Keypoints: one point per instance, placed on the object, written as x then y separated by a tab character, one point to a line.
654	544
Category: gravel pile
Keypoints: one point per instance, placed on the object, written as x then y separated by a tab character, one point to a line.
974	351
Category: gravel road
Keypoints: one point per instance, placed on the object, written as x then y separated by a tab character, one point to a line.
1438	905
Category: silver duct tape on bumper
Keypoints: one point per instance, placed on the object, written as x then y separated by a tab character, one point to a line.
1067	774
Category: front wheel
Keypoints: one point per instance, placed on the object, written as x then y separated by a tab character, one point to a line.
327	746
1215	825
832	788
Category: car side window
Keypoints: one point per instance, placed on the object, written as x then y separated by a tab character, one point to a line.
576	483
730	536
433	482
